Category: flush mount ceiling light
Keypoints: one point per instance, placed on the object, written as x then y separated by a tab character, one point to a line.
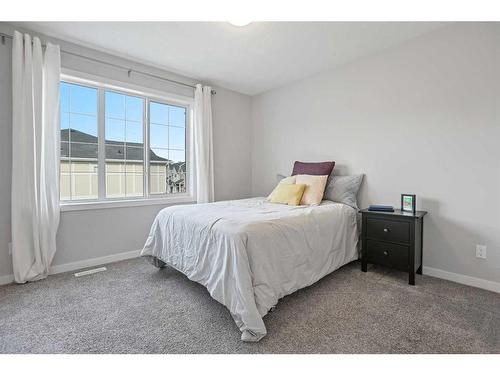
240	23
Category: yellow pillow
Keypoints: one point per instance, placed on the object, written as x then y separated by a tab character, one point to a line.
315	187
287	193
286	180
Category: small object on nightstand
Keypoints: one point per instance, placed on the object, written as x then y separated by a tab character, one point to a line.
409	203
393	239
378	207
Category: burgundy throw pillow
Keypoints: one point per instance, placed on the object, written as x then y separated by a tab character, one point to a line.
315	169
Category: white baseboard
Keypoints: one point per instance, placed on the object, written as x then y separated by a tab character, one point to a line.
73	266
7	279
462	279
93	262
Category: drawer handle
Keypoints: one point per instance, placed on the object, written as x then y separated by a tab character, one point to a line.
386	252
386	230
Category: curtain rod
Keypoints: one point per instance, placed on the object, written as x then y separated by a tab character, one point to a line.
128	70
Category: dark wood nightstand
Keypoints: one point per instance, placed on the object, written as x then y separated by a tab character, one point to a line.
393	239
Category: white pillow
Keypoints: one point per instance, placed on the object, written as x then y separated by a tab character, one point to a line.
315	187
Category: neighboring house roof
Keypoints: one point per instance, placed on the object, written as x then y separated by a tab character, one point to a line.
84	146
178	167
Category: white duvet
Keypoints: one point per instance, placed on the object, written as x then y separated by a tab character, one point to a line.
249	253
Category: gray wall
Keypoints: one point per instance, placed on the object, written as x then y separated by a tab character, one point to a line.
232	134
435	100
419	118
96	233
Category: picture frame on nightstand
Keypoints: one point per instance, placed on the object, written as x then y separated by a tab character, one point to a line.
409	203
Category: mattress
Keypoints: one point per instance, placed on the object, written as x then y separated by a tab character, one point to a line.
249	253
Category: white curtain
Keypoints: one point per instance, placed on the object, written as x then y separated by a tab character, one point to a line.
35	156
203	144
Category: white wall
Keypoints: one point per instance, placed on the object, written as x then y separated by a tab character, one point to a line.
423	118
96	233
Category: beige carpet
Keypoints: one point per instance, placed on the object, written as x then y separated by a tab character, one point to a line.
136	308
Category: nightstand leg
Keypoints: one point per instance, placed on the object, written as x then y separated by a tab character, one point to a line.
419	271
411	279
364	266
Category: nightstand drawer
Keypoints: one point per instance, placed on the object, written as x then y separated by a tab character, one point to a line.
386	254
388	230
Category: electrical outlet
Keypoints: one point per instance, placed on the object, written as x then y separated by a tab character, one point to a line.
10	248
481	251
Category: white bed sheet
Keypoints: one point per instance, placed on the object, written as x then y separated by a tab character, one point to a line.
249	253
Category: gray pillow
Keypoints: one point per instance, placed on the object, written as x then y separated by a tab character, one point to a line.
343	189
280	177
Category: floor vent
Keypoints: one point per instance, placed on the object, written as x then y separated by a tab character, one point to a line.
90	272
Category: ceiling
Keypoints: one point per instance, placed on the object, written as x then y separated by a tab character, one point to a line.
250	59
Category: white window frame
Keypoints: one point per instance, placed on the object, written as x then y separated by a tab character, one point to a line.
102	84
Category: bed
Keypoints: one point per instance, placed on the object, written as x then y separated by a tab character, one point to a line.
249	253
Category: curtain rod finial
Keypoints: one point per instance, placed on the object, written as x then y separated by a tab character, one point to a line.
213	92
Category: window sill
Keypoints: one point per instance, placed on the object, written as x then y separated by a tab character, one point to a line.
82	206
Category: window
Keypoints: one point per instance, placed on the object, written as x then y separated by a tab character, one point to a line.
167	134
118	144
124	131
79	149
